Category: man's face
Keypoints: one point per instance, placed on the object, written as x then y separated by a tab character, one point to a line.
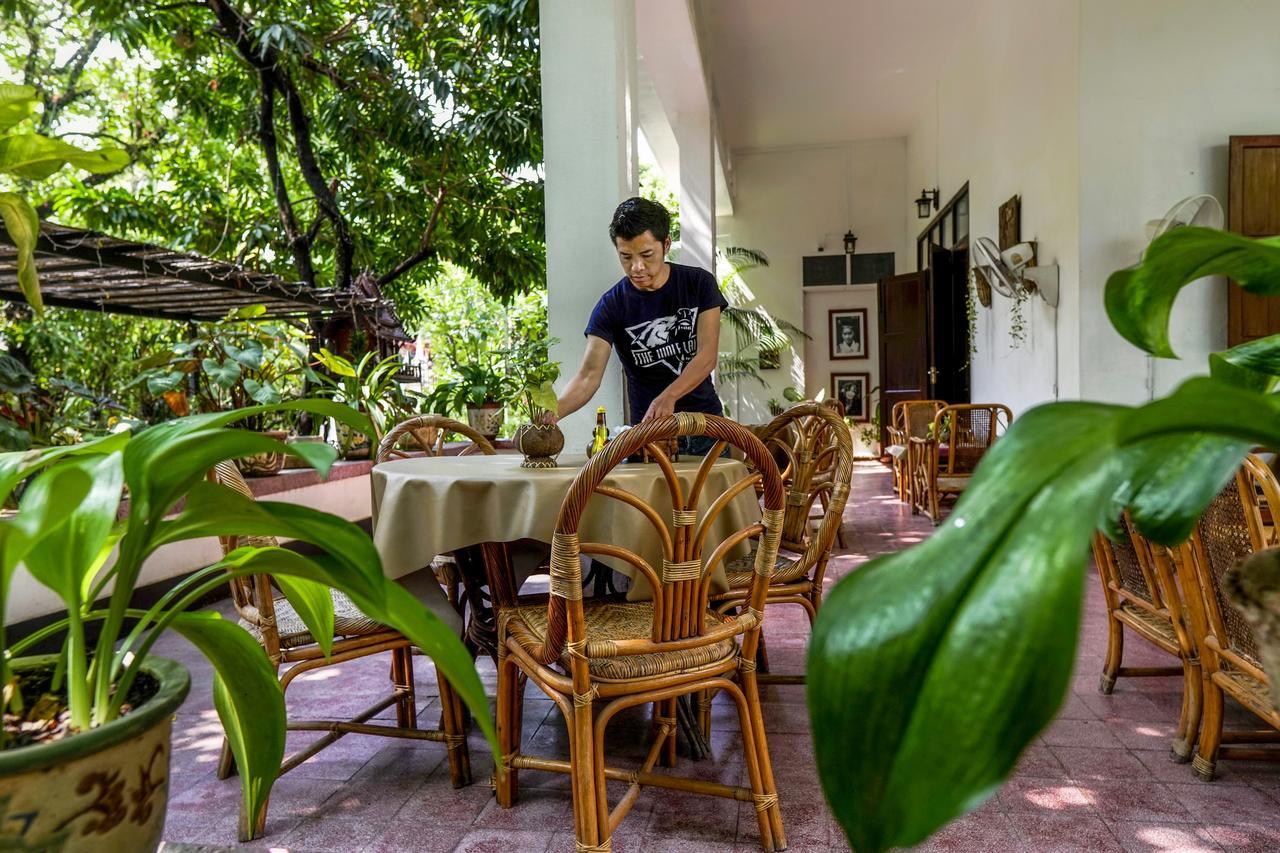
642	259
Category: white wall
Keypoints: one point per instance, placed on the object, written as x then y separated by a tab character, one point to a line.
1005	119
819	365
787	202
1163	83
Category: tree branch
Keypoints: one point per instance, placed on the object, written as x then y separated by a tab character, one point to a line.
426	248
299	244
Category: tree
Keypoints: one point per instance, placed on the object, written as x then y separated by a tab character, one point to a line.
322	141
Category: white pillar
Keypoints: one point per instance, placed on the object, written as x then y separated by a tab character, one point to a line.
695	137
589	145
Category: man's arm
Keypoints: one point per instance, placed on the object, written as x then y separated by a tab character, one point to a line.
698	368
584	384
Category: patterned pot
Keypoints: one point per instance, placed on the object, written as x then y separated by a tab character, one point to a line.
264	464
486	419
292	461
540	443
103	790
352	443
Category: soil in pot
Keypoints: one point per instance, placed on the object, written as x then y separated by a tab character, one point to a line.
45	717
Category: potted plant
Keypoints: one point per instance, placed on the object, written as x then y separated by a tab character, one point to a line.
85	757
229	365
480	391
981	653
368	386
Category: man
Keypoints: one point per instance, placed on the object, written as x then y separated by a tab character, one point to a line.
664	321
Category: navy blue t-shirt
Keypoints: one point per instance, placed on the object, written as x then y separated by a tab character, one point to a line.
655	334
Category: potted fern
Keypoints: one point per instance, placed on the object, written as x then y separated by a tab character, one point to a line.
85	757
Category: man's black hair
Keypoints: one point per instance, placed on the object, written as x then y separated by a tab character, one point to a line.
638	215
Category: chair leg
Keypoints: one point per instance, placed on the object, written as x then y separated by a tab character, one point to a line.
586	809
759	767
1189	720
226	761
668	713
1115	653
455	736
402	682
1206	758
507	788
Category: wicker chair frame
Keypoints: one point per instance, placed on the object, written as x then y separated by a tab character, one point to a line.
1138	584
1231	529
941	463
818	450
908	418
255	598
687	650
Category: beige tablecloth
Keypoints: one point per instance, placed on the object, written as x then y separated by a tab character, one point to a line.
428	506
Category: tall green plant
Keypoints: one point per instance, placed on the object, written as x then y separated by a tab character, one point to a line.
29	156
930	670
66	528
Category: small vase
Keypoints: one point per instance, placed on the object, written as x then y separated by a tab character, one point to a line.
267	463
486	419
540	443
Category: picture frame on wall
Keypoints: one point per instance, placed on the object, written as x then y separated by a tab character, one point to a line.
853	390
847	333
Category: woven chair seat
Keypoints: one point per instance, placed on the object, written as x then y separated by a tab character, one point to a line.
1158	625
1253	694
952	484
619	621
739	571
348	621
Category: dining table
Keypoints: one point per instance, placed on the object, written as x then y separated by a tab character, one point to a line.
497	519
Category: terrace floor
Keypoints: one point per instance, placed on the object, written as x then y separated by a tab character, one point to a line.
1099	779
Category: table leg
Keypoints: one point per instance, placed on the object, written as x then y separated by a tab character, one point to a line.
488	580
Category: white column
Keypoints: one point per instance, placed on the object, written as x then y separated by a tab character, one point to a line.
696	139
589	144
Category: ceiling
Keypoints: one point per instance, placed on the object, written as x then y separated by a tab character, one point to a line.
811	72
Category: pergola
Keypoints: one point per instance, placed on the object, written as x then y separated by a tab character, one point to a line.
92	271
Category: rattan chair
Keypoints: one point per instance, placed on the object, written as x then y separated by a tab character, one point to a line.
585	655
1229	531
941	462
1141	595
908	418
425	435
818	453
271	619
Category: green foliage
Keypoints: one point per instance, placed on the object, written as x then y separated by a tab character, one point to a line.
368	386
653	186
30	156
976	627
65	530
230	364
312	140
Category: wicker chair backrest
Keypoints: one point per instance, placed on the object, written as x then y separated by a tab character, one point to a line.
1228	532
253	595
817	448
967	431
915	416
427	433
1126	564
682	584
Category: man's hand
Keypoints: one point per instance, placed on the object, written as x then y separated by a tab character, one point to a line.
662	405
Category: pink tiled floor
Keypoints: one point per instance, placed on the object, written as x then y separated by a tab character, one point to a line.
1098	780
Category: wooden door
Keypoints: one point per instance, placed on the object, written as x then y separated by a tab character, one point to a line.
1254	211
948	325
904	340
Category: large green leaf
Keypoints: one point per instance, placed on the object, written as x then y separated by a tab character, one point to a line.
23	225
17	103
1139	299
249	702
17	465
975	627
63	556
36	157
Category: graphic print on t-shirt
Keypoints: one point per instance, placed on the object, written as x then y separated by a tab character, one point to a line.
670	340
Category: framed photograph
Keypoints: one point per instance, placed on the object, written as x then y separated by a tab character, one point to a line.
847	329
769	359
1011	223
853	392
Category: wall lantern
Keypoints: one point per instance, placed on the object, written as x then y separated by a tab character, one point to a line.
850	241
928	201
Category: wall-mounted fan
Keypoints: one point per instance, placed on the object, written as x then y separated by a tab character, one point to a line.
1203	211
1012	273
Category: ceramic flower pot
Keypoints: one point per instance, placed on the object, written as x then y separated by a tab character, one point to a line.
292	461
486	419
264	464
540	444
352	443
104	790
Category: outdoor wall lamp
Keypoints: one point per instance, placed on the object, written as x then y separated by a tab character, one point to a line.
850	241
928	201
